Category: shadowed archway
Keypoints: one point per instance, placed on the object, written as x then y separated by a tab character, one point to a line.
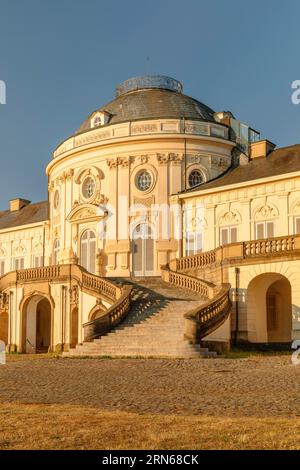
36	325
269	309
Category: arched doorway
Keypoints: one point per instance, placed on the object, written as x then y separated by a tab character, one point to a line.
142	251
88	251
36	327
74	327
269	309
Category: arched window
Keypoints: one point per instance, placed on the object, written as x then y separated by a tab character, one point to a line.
88	251
195	178
56	249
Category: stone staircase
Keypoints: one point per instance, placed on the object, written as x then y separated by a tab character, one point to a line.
154	326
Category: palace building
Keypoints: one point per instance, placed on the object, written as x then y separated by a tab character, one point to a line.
155	187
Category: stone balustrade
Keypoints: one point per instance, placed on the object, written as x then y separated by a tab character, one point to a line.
147	127
109	319
119	297
271	246
39	274
240	250
194	284
205	319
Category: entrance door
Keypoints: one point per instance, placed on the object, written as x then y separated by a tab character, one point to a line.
142	251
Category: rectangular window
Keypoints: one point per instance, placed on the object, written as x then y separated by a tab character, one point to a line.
228	235
19	263
2	267
194	243
37	261
265	230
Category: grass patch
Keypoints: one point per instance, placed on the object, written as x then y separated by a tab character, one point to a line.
238	353
77	427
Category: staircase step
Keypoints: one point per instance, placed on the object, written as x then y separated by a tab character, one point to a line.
153	328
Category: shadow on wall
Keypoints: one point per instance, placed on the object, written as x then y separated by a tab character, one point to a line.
265	311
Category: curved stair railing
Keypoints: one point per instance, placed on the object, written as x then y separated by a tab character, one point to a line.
205	319
109	319
101	288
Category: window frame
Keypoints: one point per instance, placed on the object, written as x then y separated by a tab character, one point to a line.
229	229
88	197
195	170
18	263
264	224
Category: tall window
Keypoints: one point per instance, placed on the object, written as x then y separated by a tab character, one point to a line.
265	229
37	261
228	235
56	249
2	267
88	251
19	263
194	242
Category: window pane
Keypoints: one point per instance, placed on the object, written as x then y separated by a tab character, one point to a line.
224	236
233	235
84	260
260	232
270	229
297	225
92	256
199	241
190	242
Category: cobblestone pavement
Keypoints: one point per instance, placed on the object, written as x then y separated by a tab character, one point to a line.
255	386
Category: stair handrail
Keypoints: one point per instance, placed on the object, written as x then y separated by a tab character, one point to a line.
206	318
110	318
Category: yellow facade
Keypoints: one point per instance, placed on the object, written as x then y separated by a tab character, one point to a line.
170	169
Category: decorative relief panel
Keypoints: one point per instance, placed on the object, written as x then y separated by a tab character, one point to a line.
230	218
164	158
144	128
74	295
4	301
296	209
145	202
266	212
195	128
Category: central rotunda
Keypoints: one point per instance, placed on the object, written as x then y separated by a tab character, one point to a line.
113	185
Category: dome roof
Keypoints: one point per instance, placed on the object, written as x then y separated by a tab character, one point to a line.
151	97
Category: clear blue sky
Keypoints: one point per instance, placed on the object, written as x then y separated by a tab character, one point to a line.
61	59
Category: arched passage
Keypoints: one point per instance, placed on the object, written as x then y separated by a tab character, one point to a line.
269	309
36	325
